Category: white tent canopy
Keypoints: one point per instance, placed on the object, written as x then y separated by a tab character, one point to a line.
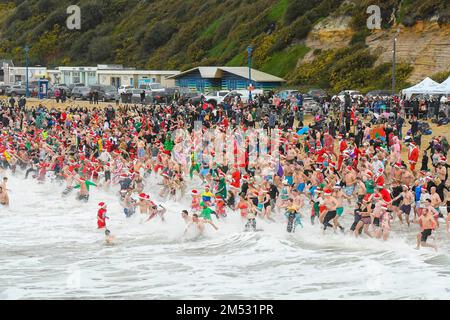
444	87
426	86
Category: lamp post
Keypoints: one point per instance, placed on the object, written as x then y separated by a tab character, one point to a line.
250	50
27	50
394	52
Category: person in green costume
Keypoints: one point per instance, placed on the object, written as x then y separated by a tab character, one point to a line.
194	165
222	187
84	186
206	212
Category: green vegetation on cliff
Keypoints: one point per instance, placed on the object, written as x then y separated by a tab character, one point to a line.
179	34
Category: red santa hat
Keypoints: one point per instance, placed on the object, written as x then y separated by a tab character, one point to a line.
398	165
384	206
443	159
333	164
143	196
245	177
380	171
376	196
328	192
102	205
370	174
194	192
424	188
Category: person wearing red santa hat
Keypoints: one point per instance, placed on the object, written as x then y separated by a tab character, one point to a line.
385	194
220	206
195	203
342	147
143	203
379	177
101	216
413	156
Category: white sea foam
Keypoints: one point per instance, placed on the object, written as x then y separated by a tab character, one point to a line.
50	248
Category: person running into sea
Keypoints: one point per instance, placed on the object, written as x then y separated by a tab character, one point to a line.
331	205
84	186
293	217
207	211
428	225
128	204
4	199
101	216
154	211
109	238
185	215
199	223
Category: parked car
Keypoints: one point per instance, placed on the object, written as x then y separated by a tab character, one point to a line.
81	93
189	97
172	92
124	89
3	89
74	85
151	87
216	97
285	94
244	94
109	93
16	90
317	94
105	93
354	94
310	105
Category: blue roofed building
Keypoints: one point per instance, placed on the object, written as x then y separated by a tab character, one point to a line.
225	78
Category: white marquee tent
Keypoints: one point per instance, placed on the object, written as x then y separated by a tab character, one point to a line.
444	87
426	86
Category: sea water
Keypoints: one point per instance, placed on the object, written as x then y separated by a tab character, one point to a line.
50	248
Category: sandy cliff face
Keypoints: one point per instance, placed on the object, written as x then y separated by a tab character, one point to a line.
426	46
330	33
